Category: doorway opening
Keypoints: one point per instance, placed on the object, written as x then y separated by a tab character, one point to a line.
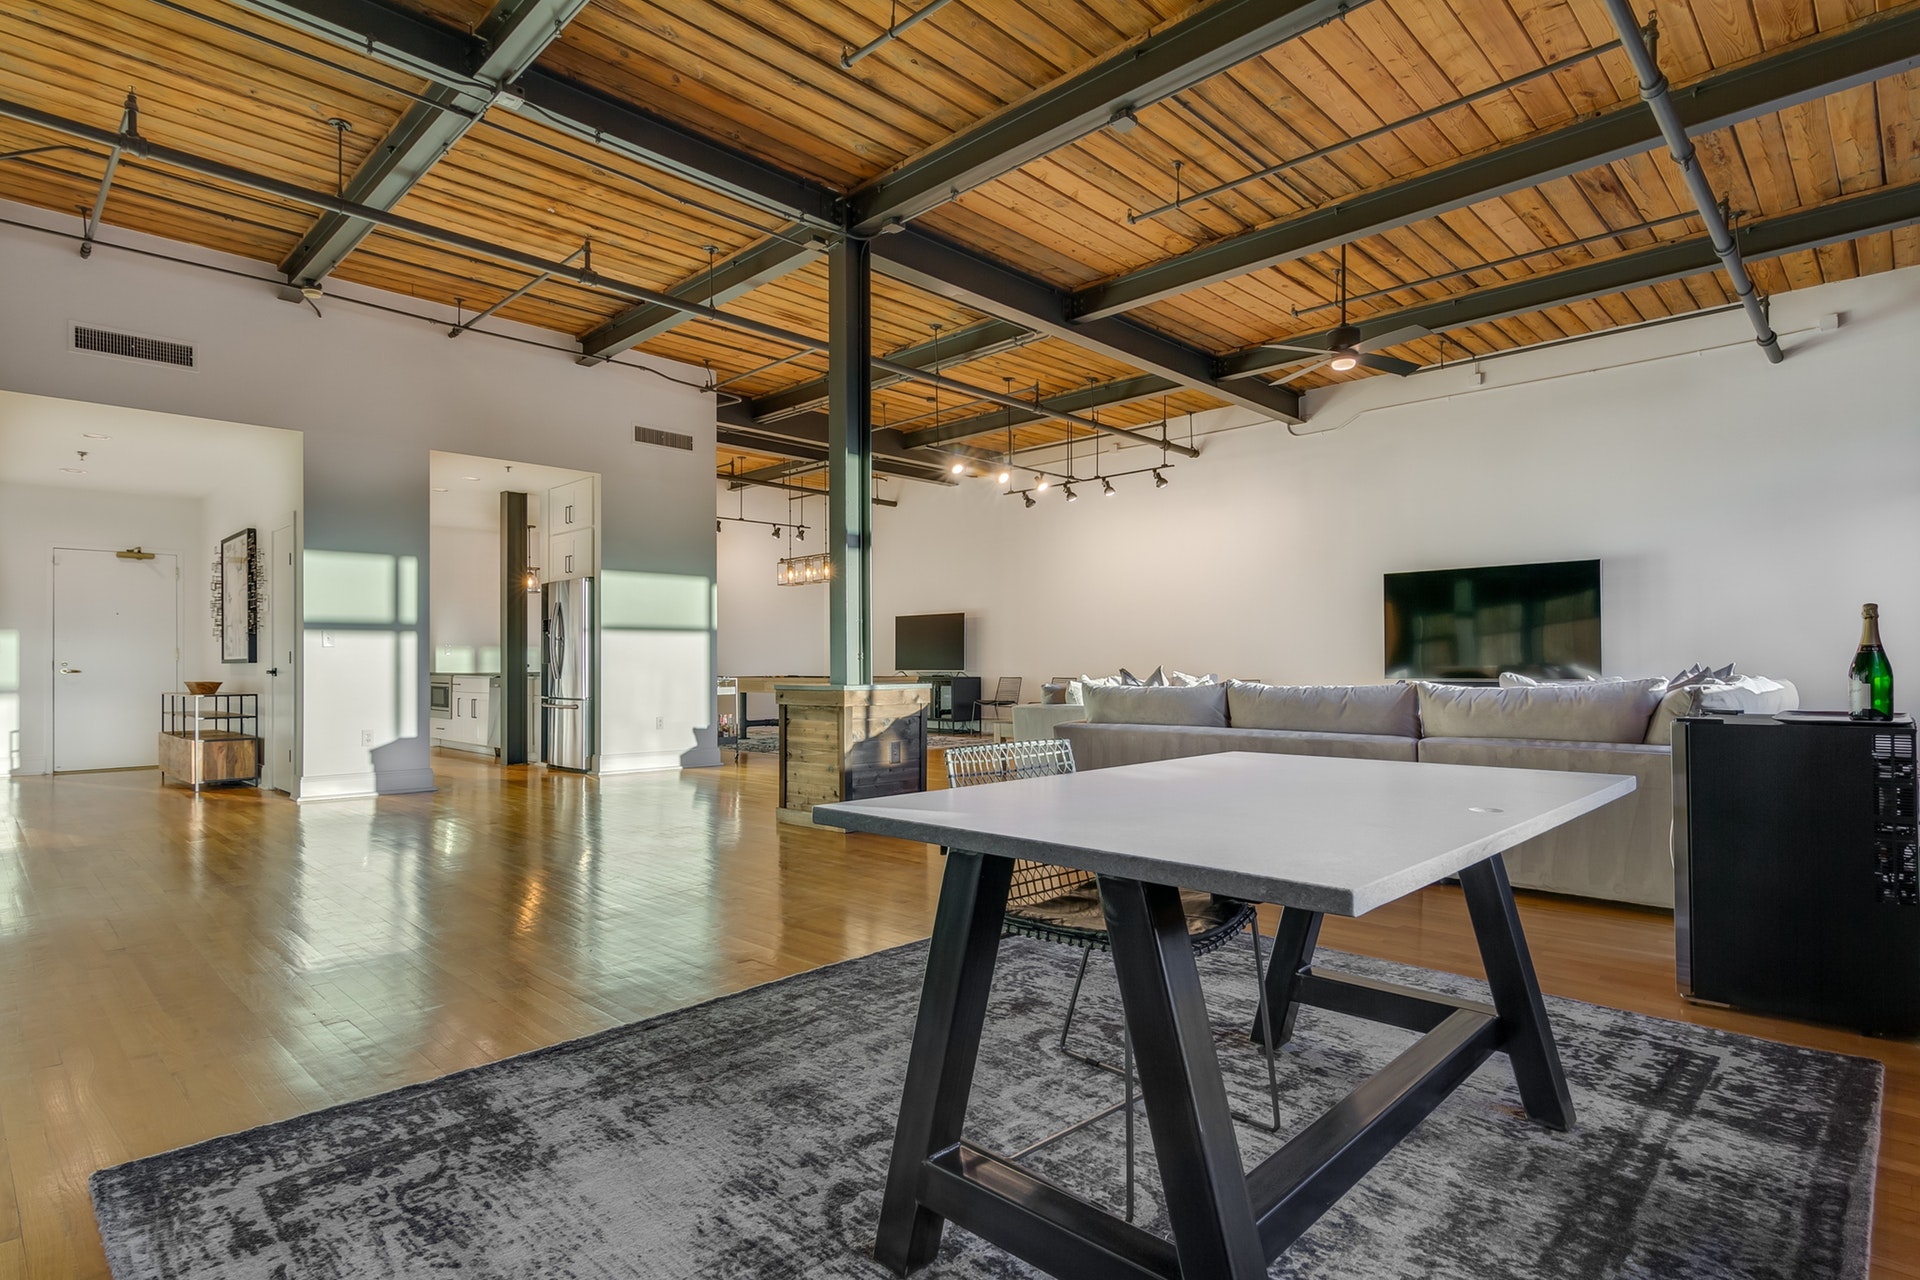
113	591
492	602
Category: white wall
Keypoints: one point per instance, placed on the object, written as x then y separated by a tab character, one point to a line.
464	622
767	629
1743	513
34	519
374	392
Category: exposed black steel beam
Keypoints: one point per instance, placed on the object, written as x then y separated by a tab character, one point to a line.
1886	209
731	277
509	38
942	267
1079	400
805	438
1858	54
1658	95
1195	48
373	29
975	342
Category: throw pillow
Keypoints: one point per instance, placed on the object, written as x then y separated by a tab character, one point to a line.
1199	705
1514	680
1755	695
1131	680
1181	680
1053	695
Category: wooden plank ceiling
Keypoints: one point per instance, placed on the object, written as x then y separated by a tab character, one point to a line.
217	80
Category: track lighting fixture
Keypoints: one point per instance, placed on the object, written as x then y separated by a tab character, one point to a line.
1106	488
1027	498
800	534
775	531
957	467
1039	484
1159	481
1005	476
1071	495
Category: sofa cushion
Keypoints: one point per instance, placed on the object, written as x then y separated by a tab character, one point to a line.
1104	746
1392	709
1200	704
1620	850
1600	711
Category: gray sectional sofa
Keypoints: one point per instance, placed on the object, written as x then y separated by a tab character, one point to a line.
1621	852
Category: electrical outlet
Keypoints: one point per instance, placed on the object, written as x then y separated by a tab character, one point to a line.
326	639
659	722
366	737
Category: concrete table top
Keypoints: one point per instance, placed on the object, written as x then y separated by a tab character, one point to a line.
1320	833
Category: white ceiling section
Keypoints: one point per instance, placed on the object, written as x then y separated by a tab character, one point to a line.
131	450
467	489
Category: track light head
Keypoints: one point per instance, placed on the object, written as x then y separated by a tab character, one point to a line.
775	531
800	534
957	467
1106	488
1159	481
1039	484
1071	495
1027	498
1005	476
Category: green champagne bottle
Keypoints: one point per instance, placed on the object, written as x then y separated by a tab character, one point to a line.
1870	682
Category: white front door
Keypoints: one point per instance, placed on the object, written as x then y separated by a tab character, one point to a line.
284	641
116	639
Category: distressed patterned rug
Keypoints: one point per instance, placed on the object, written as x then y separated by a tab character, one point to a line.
748	1137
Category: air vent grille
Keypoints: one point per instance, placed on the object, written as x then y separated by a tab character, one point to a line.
665	439
130	346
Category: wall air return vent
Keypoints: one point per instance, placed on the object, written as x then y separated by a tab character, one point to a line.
131	346
665	439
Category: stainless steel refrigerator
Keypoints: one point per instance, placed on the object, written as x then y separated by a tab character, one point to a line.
566	646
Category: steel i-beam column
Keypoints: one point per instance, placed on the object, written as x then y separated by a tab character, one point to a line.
850	460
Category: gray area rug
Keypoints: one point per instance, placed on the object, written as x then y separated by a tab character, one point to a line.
748	1137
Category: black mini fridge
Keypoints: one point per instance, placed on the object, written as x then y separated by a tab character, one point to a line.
1796	887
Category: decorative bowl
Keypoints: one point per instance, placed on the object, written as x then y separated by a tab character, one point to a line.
204	687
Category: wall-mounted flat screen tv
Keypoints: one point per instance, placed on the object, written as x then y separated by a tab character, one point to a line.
1541	620
930	642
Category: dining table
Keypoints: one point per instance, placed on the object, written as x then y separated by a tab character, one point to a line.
1315	835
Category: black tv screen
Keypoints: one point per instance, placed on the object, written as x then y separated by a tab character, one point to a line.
1540	620
930	642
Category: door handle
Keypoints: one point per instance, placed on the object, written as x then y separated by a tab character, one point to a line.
66	670
273	671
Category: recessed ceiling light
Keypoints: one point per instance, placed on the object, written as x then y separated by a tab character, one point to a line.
438	489
96	435
469	477
74	471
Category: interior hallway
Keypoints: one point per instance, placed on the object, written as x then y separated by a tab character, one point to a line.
176	970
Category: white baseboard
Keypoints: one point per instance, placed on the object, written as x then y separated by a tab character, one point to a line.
639	762
345	786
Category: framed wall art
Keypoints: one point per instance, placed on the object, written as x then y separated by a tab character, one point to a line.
239	597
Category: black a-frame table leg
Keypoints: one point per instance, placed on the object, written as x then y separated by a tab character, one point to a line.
1516	994
1293	944
1202	1181
946	1043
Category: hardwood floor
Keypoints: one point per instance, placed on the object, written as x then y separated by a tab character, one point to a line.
176	969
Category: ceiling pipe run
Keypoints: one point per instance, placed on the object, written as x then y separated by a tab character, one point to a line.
132	144
1654	92
893	32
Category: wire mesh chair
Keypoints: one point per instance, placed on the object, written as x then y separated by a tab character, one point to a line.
1061	904
1006	694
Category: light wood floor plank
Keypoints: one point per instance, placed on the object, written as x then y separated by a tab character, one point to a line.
177	969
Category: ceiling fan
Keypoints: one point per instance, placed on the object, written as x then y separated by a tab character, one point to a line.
1343	348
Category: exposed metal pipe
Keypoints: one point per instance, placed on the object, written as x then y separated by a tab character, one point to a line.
893	32
141	148
1321	153
742	482
130	126
1654	92
515	296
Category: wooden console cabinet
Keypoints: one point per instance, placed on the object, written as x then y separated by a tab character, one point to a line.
849	743
210	738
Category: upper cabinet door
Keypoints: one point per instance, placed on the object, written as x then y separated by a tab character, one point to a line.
570	506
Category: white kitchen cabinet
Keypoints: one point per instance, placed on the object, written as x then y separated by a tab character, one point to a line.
570	554
471	724
570	506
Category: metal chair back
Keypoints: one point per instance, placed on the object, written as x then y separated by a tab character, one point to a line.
1008	761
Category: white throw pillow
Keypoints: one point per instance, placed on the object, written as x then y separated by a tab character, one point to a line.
1181	680
1514	680
1751	694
